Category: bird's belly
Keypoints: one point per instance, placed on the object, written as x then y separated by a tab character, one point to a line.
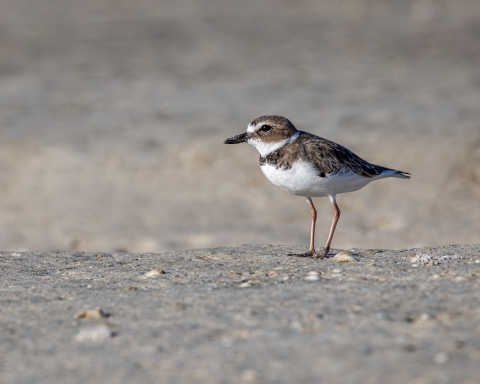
302	179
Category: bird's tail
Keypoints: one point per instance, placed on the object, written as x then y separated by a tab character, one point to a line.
399	174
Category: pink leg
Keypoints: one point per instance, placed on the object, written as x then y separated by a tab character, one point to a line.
313	213
336	216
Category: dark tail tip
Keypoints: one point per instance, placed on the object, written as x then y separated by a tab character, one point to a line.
403	175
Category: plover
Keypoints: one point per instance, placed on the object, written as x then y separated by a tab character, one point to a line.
307	165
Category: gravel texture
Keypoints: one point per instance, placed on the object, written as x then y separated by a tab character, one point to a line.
113	115
248	314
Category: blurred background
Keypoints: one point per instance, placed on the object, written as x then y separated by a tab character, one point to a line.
113	114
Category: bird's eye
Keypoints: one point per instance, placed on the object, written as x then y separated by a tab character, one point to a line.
265	128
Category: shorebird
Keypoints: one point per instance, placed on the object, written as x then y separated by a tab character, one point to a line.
307	165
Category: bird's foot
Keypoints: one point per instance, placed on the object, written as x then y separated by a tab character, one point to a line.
322	254
306	254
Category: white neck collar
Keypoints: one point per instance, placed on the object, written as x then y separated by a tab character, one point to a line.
267	148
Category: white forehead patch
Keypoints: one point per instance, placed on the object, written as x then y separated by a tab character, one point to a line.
253	128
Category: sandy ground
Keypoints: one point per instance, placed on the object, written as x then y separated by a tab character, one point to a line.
250	314
113	114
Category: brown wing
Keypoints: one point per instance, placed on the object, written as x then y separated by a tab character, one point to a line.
332	158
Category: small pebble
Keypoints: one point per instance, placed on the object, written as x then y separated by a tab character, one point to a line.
131	288
180	306
441	358
424	316
212	286
96	313
249	376
154	273
345	257
245	285
297	325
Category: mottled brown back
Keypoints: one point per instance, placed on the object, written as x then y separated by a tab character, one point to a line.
326	156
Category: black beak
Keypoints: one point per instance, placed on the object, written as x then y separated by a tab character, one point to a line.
237	139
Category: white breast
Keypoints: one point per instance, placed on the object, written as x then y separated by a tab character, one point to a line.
303	180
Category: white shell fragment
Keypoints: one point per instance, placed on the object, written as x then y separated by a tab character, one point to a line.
425	258
96	334
312	276
345	257
154	273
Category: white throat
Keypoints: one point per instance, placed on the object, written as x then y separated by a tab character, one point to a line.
267	148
